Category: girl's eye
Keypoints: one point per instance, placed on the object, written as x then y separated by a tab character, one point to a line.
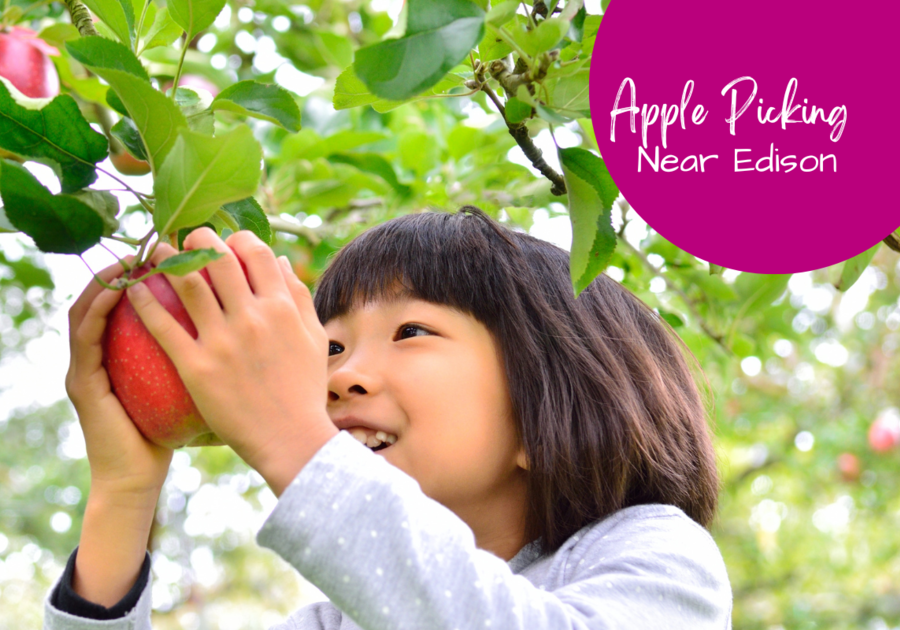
403	329
406	327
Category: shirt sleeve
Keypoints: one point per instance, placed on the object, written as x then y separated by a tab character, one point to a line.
64	609
391	558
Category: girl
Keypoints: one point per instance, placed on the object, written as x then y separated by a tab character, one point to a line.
458	444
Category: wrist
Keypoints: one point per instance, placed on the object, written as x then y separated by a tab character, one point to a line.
285	458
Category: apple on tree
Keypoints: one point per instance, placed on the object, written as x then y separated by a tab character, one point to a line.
25	62
884	434
143	377
848	465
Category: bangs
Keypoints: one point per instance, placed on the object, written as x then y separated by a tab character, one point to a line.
457	260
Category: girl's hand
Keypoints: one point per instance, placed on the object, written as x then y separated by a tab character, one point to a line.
258	369
122	461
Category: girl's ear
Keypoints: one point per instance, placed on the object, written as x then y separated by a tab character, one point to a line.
521	461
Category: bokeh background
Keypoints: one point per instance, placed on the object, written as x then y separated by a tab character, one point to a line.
797	369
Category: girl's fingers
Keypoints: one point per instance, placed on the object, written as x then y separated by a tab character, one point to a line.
87	337
170	335
265	275
194	292
94	288
301	296
226	274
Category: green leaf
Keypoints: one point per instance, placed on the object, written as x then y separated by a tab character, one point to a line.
502	12
163	32
350	91
118	15
671	318
853	268
194	15
156	118
89	89
185	262
439	35
126	133
249	215
58	34
517	111
267	102
52	132
570	92
202	173
591	27
59	224
375	164
604	5
592	193
715	270
759	290
545	37
105	204
100	53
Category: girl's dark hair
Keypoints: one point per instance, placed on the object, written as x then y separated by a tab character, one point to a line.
603	399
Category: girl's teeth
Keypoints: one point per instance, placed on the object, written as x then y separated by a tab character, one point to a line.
374	441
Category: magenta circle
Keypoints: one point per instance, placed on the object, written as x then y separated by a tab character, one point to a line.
755	221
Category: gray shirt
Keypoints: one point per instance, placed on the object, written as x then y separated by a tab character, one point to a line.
390	558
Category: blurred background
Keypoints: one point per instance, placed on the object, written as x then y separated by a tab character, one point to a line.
802	375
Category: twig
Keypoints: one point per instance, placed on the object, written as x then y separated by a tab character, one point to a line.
280	225
519	132
687	301
81	18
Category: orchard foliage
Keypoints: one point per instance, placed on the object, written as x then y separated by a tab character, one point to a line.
318	120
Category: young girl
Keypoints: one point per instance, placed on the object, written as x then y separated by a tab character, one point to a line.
459	444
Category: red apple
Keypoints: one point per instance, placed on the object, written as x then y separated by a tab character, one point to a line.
848	465
24	62
127	164
884	434
143	377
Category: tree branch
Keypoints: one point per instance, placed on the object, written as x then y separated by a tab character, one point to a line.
81	18
519	132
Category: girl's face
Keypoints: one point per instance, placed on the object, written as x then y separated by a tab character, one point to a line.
433	377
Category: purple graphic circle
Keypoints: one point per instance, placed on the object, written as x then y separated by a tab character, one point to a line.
783	221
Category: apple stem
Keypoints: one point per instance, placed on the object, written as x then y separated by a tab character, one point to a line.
81	18
140	27
125	239
184	47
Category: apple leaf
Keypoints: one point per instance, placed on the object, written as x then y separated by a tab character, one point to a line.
52	132
99	53
545	37
126	133
202	173
517	111
592	193
247	214
163	32
105	204
118	15
267	102
715	270
439	35
194	15
853	268
350	91
59	224
185	262
375	164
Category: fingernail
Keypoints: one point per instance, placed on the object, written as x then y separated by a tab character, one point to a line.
137	289
285	262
